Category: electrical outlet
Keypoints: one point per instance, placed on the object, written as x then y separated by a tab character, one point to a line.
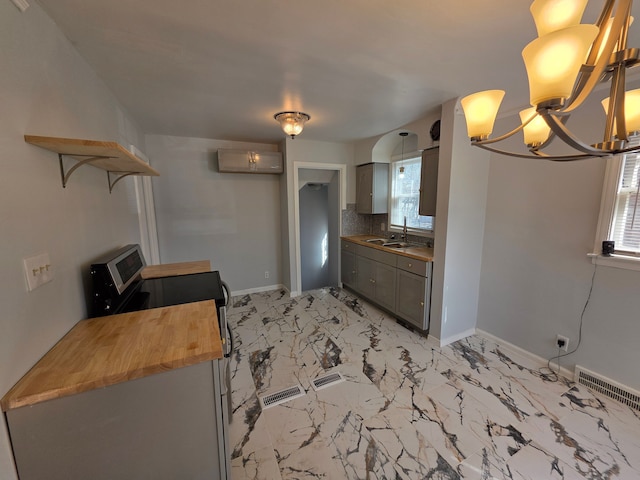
562	343
266	274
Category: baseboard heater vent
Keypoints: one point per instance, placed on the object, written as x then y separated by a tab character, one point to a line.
282	396
326	380
608	387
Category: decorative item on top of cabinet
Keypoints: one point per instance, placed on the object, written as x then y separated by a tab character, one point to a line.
249	161
109	156
372	188
429	182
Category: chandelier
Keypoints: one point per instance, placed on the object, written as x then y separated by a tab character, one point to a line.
292	123
564	64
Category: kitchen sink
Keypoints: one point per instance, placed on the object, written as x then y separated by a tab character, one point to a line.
396	245
377	241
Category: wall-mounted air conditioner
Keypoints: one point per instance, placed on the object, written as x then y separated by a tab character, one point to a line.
248	161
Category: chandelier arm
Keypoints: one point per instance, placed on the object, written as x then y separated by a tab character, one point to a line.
558	127
586	70
619	79
539	156
488	141
594	74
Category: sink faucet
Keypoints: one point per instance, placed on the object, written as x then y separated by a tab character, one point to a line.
404	229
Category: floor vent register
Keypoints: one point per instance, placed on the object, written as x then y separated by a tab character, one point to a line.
325	381
608	387
281	396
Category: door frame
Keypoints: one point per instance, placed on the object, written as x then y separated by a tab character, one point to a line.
342	182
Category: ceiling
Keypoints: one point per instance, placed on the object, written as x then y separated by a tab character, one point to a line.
222	68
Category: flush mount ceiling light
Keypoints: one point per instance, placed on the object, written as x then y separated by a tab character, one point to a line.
292	123
564	64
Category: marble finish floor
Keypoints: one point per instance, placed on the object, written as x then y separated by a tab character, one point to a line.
408	408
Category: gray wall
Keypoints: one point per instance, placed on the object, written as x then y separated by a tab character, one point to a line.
540	223
47	89
231	219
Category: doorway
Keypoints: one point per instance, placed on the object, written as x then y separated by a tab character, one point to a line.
320	194
314	235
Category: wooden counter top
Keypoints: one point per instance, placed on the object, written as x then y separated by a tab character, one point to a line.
107	350
171	269
417	253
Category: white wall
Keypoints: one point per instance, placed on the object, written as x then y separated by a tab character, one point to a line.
459	230
47	89
231	219
540	224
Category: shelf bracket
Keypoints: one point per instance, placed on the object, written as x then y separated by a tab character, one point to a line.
117	179
66	175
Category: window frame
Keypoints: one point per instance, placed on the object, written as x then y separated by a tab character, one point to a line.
607	212
419	232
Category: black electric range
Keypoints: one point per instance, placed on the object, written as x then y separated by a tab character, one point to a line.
117	287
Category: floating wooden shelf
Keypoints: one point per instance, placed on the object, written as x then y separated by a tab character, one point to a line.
109	156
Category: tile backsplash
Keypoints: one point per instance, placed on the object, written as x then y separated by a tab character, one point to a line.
356	224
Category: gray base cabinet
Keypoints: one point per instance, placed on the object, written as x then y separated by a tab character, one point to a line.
376	281
411	292
348	270
164	426
396	283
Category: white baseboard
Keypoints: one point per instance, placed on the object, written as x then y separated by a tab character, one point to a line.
537	359
455	338
258	290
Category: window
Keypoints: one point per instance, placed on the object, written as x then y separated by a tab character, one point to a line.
625	225
620	210
405	197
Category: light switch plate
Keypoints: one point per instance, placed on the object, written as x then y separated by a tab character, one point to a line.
38	270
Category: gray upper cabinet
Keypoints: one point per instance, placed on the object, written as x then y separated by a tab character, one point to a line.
429	182
372	188
245	161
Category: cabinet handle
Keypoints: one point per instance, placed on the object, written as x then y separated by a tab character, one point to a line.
422	304
409	265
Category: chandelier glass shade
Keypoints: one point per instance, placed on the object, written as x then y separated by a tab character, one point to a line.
292	123
564	65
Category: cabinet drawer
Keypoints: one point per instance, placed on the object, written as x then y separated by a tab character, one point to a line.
414	266
344	245
377	255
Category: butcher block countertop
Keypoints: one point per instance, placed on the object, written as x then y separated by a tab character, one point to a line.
416	252
105	351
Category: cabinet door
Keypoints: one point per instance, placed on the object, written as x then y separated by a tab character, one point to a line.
348	269
429	182
385	283
411	298
364	188
365	279
372	188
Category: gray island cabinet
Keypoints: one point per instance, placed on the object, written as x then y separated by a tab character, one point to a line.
398	280
130	396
